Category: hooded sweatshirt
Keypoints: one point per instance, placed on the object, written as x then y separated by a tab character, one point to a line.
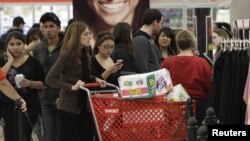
147	55
193	72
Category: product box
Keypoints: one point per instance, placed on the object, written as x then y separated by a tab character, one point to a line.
145	85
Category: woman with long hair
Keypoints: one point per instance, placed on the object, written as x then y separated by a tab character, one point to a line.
71	70
102	64
123	47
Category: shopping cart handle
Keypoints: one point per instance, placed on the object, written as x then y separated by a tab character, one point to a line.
91	85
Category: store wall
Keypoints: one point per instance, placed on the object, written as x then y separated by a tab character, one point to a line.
31	12
239	9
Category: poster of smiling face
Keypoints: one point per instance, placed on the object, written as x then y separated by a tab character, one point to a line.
102	15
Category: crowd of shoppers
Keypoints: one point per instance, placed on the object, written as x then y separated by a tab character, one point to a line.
56	63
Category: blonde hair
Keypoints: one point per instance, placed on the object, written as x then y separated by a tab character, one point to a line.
185	40
221	32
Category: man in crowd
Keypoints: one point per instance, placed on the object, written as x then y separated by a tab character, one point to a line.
147	55
47	52
17	25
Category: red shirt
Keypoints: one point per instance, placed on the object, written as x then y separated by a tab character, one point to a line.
2	75
193	72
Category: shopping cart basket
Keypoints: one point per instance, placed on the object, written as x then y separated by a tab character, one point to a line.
120	119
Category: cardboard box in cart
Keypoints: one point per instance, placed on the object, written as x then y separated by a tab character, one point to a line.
145	85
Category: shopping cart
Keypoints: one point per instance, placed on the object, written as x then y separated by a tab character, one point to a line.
120	119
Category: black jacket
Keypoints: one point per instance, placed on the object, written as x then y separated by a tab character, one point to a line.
122	53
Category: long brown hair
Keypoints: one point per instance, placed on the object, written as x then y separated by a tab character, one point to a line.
71	44
122	33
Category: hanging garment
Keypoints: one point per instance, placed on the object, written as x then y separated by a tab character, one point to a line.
229	78
225	89
236	88
234	61
214	97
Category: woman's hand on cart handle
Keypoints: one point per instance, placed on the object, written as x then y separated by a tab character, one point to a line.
102	83
77	85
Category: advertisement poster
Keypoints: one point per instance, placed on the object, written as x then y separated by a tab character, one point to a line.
104	15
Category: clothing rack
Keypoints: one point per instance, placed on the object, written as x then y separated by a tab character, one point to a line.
230	73
229	79
235	44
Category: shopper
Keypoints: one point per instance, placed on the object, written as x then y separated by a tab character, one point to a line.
102	64
17	25
33	77
165	40
71	70
33	37
218	36
193	72
147	55
123	48
47	52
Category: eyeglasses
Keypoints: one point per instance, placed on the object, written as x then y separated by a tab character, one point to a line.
111	47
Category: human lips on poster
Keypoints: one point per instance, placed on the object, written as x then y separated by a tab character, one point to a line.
145	85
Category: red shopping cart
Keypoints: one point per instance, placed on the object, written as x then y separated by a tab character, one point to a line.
120	119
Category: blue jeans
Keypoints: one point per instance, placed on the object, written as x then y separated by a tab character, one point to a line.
49	119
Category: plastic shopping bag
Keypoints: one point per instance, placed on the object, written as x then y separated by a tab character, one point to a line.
177	94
